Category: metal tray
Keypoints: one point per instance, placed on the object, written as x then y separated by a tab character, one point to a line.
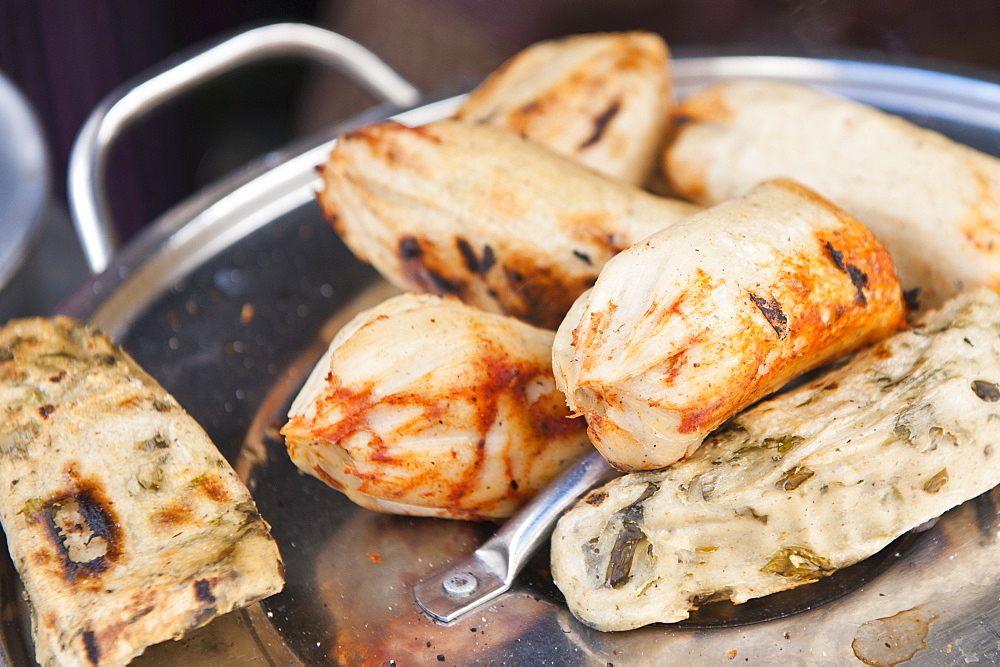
24	178
230	298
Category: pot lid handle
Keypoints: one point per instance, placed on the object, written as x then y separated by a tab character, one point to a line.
129	102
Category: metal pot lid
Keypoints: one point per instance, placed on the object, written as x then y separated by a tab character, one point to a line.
230	299
24	173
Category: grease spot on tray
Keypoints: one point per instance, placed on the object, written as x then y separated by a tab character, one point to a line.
892	640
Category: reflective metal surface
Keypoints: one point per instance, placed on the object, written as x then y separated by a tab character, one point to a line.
24	178
492	569
132	101
230	299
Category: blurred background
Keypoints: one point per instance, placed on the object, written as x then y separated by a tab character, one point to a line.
65	56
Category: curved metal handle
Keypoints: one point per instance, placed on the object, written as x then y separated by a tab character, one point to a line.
491	569
86	195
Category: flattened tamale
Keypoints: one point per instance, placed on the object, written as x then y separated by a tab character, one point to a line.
125	523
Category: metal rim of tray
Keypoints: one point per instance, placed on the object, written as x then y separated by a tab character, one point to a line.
24	178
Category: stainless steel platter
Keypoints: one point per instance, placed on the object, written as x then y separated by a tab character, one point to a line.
230	298
24	179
